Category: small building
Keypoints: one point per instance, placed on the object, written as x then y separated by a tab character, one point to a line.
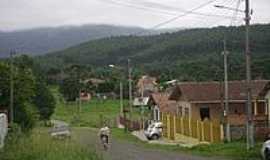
85	96
205	100
159	102
146	86
140	101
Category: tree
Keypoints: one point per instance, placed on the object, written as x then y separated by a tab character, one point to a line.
44	100
24	90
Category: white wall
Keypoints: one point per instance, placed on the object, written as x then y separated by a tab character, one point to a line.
3	128
267	97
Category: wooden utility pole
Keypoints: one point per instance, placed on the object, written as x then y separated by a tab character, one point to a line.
250	127
226	92
11	105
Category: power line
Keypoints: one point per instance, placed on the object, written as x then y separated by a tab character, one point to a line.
182	15
155	10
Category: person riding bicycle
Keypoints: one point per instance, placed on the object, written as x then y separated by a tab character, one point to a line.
104	134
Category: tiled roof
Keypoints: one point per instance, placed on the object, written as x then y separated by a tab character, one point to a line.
168	107
213	91
159	98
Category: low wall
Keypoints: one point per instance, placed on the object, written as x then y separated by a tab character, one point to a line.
3	129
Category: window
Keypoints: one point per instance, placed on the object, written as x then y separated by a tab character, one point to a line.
205	113
186	112
179	111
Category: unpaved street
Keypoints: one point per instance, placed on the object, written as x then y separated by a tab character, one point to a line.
123	150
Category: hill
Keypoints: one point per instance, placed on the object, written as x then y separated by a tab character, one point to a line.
192	54
43	40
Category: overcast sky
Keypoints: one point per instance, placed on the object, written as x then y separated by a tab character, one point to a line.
25	14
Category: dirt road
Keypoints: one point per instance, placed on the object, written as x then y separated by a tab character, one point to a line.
123	150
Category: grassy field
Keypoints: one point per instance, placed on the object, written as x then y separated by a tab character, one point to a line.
38	145
92	113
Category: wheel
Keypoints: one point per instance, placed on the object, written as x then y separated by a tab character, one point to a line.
267	154
155	137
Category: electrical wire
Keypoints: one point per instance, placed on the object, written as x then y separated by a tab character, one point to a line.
164	12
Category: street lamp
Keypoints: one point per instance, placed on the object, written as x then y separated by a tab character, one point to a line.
121	90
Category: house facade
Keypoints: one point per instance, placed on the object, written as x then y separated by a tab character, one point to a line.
158	103
146	85
205	100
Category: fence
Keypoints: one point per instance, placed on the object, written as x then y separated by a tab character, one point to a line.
202	130
3	129
132	125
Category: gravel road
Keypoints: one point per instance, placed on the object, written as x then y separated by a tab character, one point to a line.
123	150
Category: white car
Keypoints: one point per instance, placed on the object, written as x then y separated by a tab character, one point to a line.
154	131
265	151
60	131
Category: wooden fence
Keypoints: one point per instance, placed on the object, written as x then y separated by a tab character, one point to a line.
202	130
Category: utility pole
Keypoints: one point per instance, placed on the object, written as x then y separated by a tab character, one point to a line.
250	133
142	107
249	125
226	91
121	97
11	113
130	89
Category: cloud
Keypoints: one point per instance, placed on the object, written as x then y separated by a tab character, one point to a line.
22	14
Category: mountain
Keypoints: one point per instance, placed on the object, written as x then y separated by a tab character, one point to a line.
43	40
191	54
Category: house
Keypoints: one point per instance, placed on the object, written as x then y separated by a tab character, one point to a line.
140	101
204	100
146	86
85	96
159	102
94	81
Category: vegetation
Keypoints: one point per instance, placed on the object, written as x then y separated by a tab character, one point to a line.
32	99
92	114
193	54
40	146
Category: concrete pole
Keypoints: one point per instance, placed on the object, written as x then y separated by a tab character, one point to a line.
121	98
250	133
130	88
226	92
11	112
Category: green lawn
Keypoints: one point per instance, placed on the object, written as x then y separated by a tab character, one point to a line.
92	113
38	145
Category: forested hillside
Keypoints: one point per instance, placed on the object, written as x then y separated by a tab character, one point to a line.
193	54
43	40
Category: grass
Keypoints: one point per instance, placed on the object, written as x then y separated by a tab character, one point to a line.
92	113
235	150
40	146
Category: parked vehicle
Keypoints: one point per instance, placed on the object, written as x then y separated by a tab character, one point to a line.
60	131
154	131
265	151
